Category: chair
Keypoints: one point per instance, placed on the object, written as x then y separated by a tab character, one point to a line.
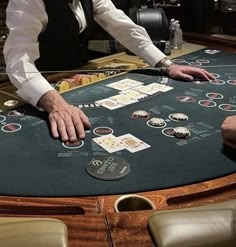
212	225
32	232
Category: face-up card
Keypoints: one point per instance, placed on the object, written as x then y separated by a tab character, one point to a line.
134	94
119	86
110	143
130	82
109	104
123	99
132	143
145	89
159	87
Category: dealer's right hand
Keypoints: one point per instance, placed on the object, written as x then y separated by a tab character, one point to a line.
67	121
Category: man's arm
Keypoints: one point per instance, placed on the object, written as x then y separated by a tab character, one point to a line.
123	29
136	39
25	20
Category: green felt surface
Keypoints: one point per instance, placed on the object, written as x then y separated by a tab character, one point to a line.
34	164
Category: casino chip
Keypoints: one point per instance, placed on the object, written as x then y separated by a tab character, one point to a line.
62	86
179	116
140	114
181	132
157	122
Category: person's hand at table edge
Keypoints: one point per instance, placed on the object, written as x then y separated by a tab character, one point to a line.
228	130
184	72
66	121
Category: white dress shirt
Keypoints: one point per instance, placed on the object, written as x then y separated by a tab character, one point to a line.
26	19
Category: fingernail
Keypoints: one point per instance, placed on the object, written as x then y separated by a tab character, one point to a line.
82	136
73	138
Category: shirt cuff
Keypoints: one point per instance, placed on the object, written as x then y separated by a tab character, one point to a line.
33	90
152	55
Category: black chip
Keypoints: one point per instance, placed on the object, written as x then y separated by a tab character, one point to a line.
108	167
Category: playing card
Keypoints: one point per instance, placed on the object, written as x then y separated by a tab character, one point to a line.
145	89
134	94
132	143
109	104
130	82
110	143
123	99
119	85
159	87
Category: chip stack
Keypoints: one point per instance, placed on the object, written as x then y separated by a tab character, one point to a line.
181	132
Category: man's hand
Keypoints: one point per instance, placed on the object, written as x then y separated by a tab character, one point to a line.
228	129
67	121
188	73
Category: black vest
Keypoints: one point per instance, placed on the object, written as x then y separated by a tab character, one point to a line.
61	45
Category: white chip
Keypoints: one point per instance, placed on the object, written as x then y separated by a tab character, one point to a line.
179	116
158	122
140	113
182	132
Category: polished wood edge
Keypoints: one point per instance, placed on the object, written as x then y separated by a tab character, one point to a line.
216	190
49	205
219	189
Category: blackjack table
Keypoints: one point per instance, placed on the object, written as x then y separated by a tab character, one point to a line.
180	162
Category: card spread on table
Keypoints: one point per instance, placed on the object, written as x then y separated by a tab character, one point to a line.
145	89
134	94
110	143
119	86
130	82
132	143
159	87
123	99
109	104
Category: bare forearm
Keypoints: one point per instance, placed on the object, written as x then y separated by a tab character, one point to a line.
51	101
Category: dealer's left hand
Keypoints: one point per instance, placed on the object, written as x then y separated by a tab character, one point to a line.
188	73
